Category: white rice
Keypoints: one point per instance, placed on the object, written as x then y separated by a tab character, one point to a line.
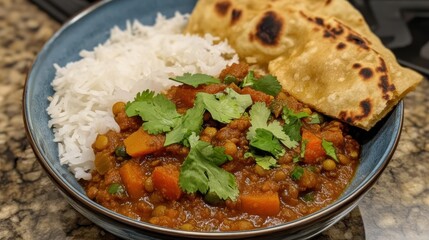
137	58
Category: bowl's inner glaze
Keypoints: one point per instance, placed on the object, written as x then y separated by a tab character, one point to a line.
89	30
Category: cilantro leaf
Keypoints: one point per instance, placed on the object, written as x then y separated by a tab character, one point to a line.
296	159
225	107
266	162
193	139
297	173
259	115
267	84
264	140
189	123
158	113
314	118
292	126
201	172
131	109
329	149
195	79
230	79
301	155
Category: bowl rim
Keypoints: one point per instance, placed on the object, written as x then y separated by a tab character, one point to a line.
95	207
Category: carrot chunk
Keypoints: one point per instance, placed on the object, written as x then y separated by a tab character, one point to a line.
313	149
166	180
266	204
133	179
141	143
257	96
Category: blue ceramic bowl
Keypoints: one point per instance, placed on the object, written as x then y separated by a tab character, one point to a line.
92	27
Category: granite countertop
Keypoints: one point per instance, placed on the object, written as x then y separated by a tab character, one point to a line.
31	208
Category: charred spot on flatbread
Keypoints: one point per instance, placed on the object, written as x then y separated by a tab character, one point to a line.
355	39
222	7
366	108
328	2
386	86
357	66
382	67
319	21
328	30
366	73
341	46
337	30
365	111
235	15
269	28
328	34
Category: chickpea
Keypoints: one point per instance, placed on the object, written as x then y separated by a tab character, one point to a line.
187	227
101	142
281	96
210	131
279	175
230	148
118	107
354	154
148	184
159	211
205	138
343	159
260	171
244	225
329	165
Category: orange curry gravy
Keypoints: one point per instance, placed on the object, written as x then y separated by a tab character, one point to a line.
287	198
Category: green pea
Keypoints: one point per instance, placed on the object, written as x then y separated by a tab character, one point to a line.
120	151
115	188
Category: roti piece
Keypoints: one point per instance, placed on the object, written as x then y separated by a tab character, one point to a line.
322	52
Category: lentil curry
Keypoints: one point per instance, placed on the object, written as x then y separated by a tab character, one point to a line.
226	154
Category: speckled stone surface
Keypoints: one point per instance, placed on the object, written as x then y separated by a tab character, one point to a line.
31	208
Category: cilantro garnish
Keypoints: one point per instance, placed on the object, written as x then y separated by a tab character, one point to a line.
329	149
264	140
266	162
259	115
158	113
297	158
297	173
292	126
195	79
225	107
267	84
314	118
201	172
230	79
189	123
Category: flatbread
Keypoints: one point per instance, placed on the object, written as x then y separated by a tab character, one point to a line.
322	52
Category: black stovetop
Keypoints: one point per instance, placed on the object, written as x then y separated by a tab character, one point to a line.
402	25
